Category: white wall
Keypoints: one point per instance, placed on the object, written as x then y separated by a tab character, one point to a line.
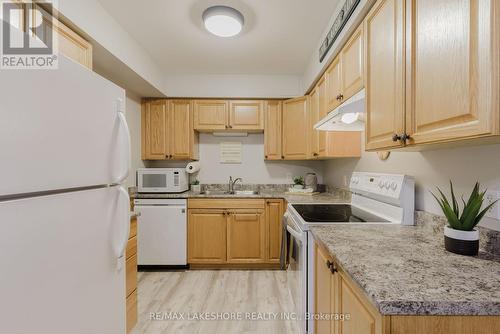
246	86
90	17
314	68
253	168
133	115
464	166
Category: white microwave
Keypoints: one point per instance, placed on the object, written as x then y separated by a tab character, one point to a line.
162	180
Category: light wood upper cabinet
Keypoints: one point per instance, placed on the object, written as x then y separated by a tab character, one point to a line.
154	130
431	79
296	129
274	213
333	79
183	139
384	76
351	58
272	130
246	236
451	63
207	236
330	144
314	117
210	115
246	115
67	42
167	130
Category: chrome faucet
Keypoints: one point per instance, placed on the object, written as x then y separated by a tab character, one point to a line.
232	183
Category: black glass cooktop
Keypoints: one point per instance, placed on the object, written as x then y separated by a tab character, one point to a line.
334	213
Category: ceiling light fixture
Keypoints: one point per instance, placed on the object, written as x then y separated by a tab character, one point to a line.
223	21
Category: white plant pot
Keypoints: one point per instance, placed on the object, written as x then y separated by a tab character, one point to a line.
461	242
196	188
298	186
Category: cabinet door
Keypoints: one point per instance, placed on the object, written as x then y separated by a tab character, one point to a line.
246	236
210	115
296	129
351	58
361	321
69	42
333	84
206	236
450	58
154	126
273	130
314	118
322	291
181	131
384	76
323	111
246	115
274	214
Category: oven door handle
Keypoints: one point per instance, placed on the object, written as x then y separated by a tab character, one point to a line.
296	234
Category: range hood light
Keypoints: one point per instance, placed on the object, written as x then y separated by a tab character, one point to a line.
349	118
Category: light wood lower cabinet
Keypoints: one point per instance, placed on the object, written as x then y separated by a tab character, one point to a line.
207	230
131	276
234	231
246	234
336	293
275	208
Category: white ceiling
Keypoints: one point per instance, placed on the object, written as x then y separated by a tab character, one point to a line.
279	36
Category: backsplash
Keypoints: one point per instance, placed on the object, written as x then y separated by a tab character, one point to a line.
489	240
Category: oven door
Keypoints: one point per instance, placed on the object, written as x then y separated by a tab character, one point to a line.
297	270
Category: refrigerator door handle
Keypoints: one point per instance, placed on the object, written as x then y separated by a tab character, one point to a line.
123	244
124	125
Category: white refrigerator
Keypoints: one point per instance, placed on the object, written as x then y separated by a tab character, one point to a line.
64	216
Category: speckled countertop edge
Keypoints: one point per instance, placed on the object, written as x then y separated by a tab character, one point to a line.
393	281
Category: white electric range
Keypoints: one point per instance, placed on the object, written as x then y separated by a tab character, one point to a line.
376	199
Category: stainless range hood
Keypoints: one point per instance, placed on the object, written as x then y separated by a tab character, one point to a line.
349	116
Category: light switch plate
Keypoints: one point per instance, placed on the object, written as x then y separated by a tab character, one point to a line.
490	197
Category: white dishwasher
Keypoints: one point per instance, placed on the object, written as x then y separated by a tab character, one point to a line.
161	232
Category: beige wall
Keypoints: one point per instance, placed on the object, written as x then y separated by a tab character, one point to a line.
464	166
253	168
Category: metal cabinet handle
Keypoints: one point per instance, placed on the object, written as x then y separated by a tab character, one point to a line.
329	263
396	137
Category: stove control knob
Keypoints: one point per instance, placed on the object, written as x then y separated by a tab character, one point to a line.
394	185
381	184
387	184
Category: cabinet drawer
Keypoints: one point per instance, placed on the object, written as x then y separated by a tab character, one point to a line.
131	305
131	247
203	203
131	274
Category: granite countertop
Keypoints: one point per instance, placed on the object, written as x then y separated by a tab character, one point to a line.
326	197
405	270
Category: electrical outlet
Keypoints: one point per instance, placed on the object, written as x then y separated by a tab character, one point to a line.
289	178
490	197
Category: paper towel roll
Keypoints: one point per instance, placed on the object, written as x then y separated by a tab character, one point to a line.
193	167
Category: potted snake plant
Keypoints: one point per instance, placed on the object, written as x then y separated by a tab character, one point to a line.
460	235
